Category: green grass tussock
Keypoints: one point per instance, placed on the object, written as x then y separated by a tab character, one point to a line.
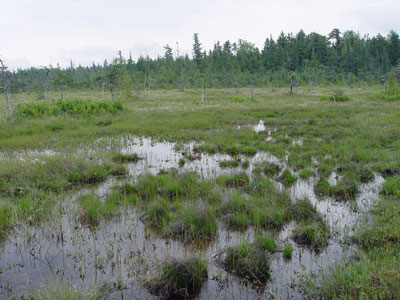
249	261
179	278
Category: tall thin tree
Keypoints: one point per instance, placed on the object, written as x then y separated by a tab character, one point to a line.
3	68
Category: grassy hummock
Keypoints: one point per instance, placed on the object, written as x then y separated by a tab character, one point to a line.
179	278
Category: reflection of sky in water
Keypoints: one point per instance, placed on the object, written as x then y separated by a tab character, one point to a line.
123	248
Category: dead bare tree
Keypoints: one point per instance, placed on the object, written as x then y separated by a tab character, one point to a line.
6	85
46	81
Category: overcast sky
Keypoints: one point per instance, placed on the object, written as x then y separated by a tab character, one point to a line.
40	32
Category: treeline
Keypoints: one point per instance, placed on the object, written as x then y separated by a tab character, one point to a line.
295	59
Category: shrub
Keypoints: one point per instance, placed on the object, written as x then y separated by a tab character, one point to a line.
67	106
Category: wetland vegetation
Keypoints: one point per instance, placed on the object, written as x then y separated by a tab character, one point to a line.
224	193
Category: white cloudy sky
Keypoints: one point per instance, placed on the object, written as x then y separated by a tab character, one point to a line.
40	32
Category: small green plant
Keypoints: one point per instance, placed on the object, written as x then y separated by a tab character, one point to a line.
287	178
287	251
267	243
245	164
306	173
181	162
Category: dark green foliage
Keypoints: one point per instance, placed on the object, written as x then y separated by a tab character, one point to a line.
179	278
67	106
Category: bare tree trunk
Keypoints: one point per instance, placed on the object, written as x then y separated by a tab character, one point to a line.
102	89
45	91
145	91
202	94
149	84
291	86
8	102
182	81
3	69
62	94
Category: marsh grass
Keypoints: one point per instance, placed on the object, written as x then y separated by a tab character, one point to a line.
235	180
171	185
311	229
125	158
346	188
249	261
179	278
314	234
195	222
287	251
266	242
392	186
287	178
269	169
351	134
64	292
229	163
94	209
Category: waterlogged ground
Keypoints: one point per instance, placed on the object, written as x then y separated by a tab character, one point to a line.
121	253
